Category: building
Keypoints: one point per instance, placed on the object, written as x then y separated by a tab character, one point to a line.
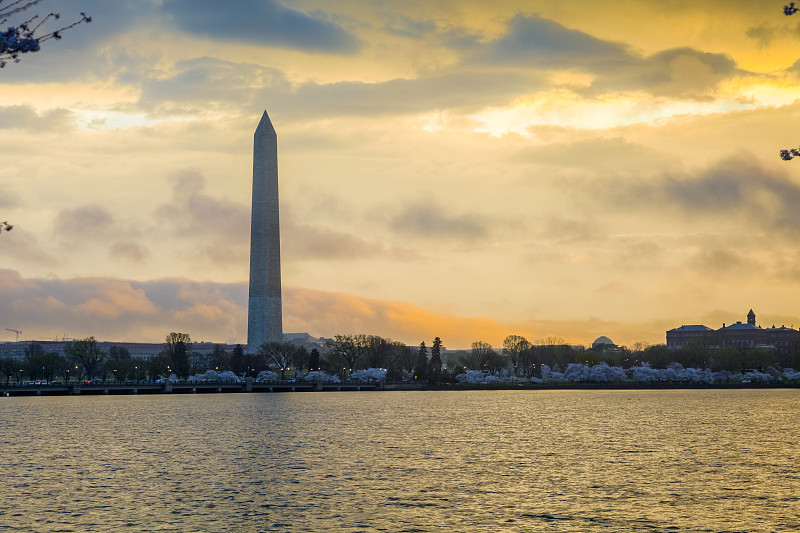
740	335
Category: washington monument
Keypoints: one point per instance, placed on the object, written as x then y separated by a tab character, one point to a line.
264	314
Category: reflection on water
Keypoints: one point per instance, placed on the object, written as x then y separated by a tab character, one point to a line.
668	460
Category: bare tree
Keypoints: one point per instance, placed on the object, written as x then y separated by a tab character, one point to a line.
347	351
177	347
404	357
514	346
281	354
481	353
8	367
86	354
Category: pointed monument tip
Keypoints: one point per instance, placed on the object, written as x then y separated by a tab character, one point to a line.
265	125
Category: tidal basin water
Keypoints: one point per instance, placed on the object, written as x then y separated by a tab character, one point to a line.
587	460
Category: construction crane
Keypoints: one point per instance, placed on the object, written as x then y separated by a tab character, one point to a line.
18	332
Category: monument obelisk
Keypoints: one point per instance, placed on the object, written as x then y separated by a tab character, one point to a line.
264	323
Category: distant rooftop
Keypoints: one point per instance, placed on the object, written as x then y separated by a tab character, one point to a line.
741	326
693	327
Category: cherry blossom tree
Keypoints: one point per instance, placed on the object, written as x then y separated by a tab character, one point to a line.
28	29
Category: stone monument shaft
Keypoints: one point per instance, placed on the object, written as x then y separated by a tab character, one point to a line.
264	322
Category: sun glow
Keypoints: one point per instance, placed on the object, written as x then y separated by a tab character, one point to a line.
567	109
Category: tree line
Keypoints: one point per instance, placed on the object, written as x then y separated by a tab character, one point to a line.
344	354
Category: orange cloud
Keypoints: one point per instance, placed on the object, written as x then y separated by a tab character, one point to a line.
118	298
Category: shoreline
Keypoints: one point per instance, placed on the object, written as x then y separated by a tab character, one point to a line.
147	388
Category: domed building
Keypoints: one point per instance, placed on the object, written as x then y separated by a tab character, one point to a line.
602	343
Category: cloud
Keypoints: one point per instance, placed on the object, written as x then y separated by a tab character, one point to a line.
738	187
678	72
206	79
261	22
23	247
117	309
125	310
764	34
537	42
9	198
490	74
431	220
89	220
410	28
308	242
116	298
24	117
214	228
129	251
215	81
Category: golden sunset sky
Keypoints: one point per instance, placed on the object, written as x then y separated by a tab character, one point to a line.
459	169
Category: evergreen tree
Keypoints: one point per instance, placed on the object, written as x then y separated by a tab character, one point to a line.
313	360
421	368
435	366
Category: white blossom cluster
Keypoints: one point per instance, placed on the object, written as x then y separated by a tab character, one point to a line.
215	375
476	376
674	372
321	377
267	375
603	373
370	374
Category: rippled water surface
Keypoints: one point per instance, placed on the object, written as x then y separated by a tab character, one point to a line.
672	460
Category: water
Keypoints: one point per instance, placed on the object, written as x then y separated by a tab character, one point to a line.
667	460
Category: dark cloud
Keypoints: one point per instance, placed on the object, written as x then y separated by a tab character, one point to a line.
735	187
128	251
679	72
719	261
764	34
192	212
24	117
795	69
537	42
307	242
260	22
213	228
22	247
89	220
432	221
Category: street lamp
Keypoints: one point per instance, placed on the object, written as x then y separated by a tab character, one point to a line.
4	225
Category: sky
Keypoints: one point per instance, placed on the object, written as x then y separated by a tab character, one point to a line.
461	169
